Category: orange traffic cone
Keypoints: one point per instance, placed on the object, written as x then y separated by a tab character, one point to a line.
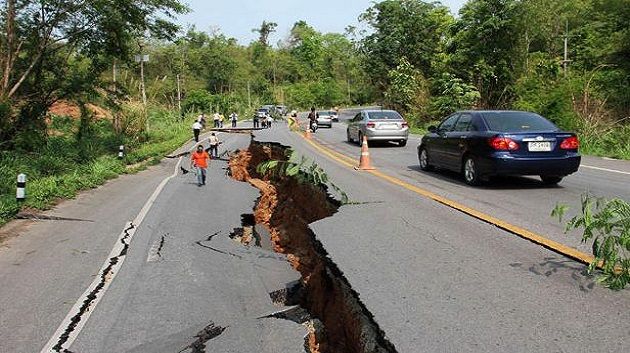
364	161
307	134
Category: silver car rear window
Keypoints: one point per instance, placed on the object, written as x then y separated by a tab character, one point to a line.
384	115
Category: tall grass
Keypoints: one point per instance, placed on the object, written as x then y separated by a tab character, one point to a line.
66	164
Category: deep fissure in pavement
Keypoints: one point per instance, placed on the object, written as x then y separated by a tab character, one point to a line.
246	234
209	332
339	321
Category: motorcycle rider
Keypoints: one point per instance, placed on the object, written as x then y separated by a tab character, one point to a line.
312	119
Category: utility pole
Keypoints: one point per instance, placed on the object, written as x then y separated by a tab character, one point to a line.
142	86
114	72
10	39
179	96
566	61
142	58
349	94
249	96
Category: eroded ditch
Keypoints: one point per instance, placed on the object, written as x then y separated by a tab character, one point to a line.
337	320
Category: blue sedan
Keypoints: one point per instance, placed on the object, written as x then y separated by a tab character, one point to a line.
480	144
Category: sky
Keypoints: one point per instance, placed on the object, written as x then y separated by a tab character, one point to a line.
237	18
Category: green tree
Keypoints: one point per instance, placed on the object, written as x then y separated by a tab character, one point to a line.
484	49
454	95
45	40
265	30
406	85
413	29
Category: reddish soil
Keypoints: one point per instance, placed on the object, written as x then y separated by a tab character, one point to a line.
66	108
286	208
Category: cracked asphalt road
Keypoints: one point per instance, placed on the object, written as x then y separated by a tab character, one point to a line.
434	279
437	280
160	303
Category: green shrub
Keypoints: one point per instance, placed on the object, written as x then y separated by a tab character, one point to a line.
63	165
607	224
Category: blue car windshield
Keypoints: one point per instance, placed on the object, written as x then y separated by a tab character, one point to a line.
517	122
384	115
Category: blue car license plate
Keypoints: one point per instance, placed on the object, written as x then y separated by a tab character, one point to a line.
539	146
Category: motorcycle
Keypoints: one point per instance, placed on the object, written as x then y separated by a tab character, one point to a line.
313	126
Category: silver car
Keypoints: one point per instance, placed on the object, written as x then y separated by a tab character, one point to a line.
262	113
378	125
325	118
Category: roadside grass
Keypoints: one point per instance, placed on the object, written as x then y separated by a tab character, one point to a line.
614	144
65	165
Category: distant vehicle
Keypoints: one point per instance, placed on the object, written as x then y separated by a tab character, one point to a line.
378	125
481	144
262	113
334	115
325	118
282	109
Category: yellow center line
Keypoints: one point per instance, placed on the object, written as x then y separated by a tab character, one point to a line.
516	230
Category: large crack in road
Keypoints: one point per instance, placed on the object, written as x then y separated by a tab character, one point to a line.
339	322
209	332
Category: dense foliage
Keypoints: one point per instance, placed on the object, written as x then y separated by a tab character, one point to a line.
508	54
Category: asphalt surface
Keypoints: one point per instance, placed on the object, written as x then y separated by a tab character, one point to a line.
434	279
437	280
522	201
182	273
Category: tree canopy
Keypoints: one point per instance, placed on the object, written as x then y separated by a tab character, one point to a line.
411	55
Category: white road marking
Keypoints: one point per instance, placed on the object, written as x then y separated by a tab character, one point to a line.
604	169
127	233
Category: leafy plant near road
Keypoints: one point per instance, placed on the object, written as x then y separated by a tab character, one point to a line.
607	224
300	168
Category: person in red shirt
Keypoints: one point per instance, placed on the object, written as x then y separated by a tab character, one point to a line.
199	160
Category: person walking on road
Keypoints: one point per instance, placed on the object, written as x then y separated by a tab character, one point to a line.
215	119
199	161
264	122
221	119
234	119
292	120
196	127
214	145
256	121
202	119
269	121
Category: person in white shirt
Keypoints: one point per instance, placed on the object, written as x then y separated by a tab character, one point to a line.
216	119
214	145
196	126
202	119
234	119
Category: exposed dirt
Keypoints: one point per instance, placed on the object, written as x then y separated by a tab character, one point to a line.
286	208
66	108
13	229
